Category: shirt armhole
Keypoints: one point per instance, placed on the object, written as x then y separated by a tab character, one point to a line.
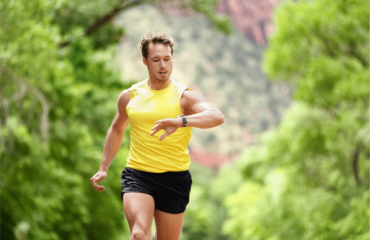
131	97
181	91
132	92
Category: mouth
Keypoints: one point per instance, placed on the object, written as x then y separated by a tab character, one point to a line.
162	73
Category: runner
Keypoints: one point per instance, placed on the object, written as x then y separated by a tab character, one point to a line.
162	112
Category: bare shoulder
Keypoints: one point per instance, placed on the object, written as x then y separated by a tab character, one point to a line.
123	99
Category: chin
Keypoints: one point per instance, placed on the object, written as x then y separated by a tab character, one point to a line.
162	79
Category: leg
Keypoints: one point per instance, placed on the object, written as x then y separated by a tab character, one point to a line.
139	211
168	226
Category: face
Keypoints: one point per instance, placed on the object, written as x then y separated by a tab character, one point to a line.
159	62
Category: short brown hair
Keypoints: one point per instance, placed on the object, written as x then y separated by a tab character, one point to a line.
155	38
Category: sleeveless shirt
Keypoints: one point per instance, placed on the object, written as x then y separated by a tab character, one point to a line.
147	106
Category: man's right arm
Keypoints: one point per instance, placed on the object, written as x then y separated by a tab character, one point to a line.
113	140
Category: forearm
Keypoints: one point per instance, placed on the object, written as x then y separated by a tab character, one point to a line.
112	145
208	119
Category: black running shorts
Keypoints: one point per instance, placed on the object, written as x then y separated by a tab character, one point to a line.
170	190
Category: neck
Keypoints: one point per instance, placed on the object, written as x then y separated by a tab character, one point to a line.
158	85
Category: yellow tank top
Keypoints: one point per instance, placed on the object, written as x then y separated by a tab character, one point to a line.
147	106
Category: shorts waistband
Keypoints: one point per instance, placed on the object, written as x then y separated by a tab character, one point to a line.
164	174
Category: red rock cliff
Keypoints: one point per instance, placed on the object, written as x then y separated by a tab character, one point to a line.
253	18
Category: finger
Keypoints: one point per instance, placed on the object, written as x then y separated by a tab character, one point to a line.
98	187
93	176
156	126
95	185
154	131
92	179
160	121
163	136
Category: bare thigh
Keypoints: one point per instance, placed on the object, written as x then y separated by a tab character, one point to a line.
139	210
168	226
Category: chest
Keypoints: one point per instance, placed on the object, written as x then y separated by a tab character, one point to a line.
145	108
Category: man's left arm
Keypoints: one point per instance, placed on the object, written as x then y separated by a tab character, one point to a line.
198	111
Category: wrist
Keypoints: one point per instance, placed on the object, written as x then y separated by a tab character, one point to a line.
178	122
102	169
183	121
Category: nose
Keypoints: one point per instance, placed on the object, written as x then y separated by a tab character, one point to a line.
162	65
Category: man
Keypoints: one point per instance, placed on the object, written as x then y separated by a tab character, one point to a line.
156	182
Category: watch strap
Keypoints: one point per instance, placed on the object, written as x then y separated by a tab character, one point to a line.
184	122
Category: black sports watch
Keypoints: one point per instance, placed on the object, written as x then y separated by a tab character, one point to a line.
184	122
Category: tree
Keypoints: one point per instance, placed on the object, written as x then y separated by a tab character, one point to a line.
327	61
96	19
50	138
310	178
206	212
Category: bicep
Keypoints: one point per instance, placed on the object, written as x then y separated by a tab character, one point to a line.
121	120
196	102
202	106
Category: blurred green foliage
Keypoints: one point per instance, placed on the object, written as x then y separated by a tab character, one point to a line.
206	213
56	108
310	178
58	98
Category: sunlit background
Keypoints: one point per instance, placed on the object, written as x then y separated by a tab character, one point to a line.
290	162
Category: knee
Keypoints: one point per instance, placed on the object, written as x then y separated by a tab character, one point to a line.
140	235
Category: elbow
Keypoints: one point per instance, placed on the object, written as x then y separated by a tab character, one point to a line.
220	119
117	131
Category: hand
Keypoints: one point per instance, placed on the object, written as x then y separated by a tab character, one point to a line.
99	176
170	125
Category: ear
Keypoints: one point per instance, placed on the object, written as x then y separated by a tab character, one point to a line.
145	61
